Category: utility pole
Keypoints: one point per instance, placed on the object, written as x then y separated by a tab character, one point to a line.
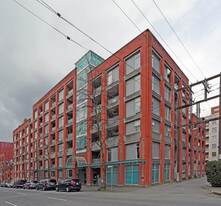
219	150
206	98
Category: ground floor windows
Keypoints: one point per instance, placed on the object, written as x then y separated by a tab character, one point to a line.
131	174
112	175
155	173
166	172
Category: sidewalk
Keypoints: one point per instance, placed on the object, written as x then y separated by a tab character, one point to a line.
215	190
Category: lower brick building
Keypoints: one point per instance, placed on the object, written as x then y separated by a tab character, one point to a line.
6	161
117	118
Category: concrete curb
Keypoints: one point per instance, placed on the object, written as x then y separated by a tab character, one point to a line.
213	190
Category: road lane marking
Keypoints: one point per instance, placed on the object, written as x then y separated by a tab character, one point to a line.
11	203
53	198
20	193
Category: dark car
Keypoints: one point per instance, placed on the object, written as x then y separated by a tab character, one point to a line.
19	183
46	184
69	185
30	184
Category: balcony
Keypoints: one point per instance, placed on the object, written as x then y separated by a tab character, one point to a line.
113	121
69	93
69	108
96	161
69	137
52	154
97	91
113	101
69	151
69	122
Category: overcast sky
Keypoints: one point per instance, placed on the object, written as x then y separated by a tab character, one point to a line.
34	57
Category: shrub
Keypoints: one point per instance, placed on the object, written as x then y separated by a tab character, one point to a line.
213	172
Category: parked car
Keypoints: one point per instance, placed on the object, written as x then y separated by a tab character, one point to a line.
46	184
2	184
9	184
69	185
30	184
19	183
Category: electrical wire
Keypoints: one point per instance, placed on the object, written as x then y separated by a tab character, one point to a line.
191	57
37	16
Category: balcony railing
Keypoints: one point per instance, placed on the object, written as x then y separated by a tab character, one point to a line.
95	161
112	121
113	100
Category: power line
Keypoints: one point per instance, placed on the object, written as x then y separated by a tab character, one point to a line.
178	38
67	37
77	28
76	42
166	43
163	40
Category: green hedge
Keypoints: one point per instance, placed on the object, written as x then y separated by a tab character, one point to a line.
213	172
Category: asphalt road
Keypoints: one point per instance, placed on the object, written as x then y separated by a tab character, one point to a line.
189	193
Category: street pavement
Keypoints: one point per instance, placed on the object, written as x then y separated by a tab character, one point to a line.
187	193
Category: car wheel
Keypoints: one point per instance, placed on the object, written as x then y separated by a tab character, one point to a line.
78	190
68	189
57	189
43	188
37	188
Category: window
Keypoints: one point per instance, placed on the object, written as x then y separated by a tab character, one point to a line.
46	129
155	106
60	147
166	172
112	154
60	95
167	94
60	135
167	113
133	107
61	108
214	138
60	161
133	85
46	105
36	124
131	174
133	127
132	151
183	154
82	112
155	126
155	150
61	122
133	63
35	114
155	84
81	143
213	154
214	146
137	105
46	117
214	130
81	128
113	75
214	123
155	173
155	62
167	130
46	142
167	73
167	152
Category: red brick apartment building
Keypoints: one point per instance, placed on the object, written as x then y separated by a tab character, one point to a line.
6	161
115	118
